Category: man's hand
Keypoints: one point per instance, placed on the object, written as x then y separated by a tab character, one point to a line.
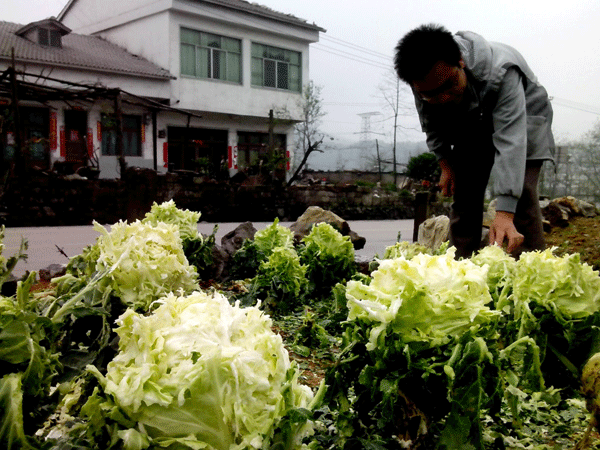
446	183
503	228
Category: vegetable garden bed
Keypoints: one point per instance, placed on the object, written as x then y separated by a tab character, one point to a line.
132	349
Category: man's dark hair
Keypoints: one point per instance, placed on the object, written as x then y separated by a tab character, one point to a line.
419	50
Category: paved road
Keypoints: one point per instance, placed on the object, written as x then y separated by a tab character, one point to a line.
44	243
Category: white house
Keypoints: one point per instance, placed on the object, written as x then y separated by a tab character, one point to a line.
64	85
193	82
233	63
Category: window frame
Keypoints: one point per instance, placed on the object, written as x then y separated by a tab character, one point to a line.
109	136
253	145
227	57
284	59
49	37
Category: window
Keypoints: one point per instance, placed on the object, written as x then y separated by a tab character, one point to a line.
49	38
36	126
206	55
132	131
276	67
253	148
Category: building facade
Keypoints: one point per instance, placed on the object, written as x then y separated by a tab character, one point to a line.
210	86
55	88
238	67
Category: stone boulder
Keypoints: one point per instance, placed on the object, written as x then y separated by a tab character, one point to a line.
234	240
230	243
52	271
559	211
434	231
314	215
555	215
576	207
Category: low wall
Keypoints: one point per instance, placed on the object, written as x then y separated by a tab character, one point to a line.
57	201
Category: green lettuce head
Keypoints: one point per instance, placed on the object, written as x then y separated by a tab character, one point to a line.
329	257
563	285
428	298
272	237
202	373
167	212
143	261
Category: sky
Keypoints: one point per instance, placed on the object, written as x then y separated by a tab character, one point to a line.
352	62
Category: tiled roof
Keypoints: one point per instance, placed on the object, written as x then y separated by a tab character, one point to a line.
78	52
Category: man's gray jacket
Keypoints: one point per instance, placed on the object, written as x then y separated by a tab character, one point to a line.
504	88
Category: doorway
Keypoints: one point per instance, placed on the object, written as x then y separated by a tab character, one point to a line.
199	150
76	124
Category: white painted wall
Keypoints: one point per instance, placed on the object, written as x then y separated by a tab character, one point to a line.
226	97
143	37
151	29
93	16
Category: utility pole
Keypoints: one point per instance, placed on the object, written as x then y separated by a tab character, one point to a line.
378	159
396	128
119	129
19	138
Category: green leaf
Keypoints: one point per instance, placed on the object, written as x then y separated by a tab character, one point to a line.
12	433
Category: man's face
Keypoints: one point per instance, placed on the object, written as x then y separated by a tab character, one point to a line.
443	84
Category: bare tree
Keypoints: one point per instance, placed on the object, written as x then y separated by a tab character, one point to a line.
586	158
308	136
576	168
398	99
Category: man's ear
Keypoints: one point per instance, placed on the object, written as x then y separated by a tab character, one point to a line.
461	63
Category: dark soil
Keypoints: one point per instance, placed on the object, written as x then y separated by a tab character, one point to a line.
581	235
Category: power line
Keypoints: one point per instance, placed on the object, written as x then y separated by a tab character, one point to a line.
575	105
355	58
350	104
388	58
351	54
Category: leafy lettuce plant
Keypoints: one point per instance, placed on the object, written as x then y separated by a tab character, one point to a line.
27	368
142	262
197	248
329	257
563	285
405	249
501	271
416	340
167	212
280	282
554	301
8	264
198	373
428	298
247	259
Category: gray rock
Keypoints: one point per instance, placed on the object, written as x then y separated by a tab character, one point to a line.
358	242
576	207
52	271
219	269
556	214
314	215
230	243
434	231
234	240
